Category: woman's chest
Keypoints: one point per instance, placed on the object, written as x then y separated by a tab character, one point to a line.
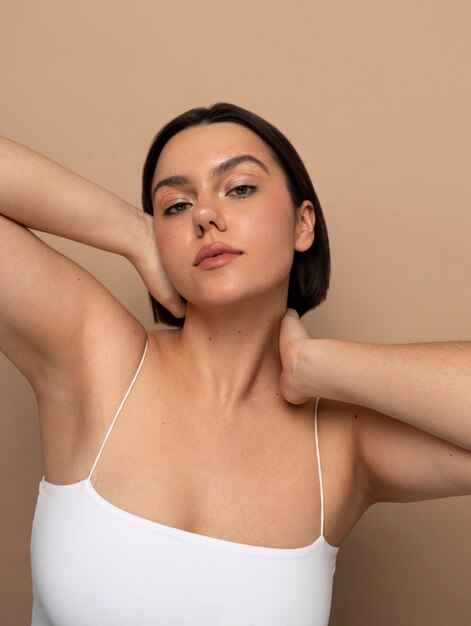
238	482
249	475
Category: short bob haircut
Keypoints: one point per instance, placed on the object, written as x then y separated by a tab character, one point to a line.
310	272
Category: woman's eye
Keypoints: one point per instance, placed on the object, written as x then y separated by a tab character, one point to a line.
178	204
242	191
246	190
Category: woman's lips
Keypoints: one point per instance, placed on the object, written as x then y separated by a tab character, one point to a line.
213	262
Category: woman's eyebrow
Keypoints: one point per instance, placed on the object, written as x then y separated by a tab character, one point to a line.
225	166
180	180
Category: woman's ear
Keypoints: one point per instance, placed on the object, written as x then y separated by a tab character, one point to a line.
305	222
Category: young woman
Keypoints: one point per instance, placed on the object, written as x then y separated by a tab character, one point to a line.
245	451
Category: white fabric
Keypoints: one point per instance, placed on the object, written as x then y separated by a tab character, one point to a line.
94	564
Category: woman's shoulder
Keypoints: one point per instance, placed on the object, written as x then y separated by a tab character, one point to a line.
104	357
111	359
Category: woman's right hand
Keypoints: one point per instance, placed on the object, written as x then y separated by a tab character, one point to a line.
147	262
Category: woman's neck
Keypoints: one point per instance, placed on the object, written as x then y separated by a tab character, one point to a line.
232	353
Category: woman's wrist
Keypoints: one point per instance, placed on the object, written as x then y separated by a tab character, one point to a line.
320	371
140	237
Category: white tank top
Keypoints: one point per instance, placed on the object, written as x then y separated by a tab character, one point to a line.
94	564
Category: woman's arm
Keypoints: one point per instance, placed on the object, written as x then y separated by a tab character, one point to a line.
47	301
426	385
41	194
411	404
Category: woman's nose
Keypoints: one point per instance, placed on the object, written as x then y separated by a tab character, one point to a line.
207	215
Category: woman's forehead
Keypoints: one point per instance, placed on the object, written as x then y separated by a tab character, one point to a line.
207	145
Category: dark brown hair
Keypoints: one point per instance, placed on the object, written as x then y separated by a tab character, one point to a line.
310	272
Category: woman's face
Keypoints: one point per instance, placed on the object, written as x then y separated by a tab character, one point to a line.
246	206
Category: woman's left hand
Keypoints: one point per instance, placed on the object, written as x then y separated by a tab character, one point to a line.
293	340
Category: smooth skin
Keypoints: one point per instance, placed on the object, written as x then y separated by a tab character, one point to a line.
233	390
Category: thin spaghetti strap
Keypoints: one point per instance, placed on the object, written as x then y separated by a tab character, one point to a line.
320	471
119	408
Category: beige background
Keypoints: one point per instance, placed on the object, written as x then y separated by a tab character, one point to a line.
376	97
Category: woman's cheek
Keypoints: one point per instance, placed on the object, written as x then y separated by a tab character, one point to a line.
278	246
